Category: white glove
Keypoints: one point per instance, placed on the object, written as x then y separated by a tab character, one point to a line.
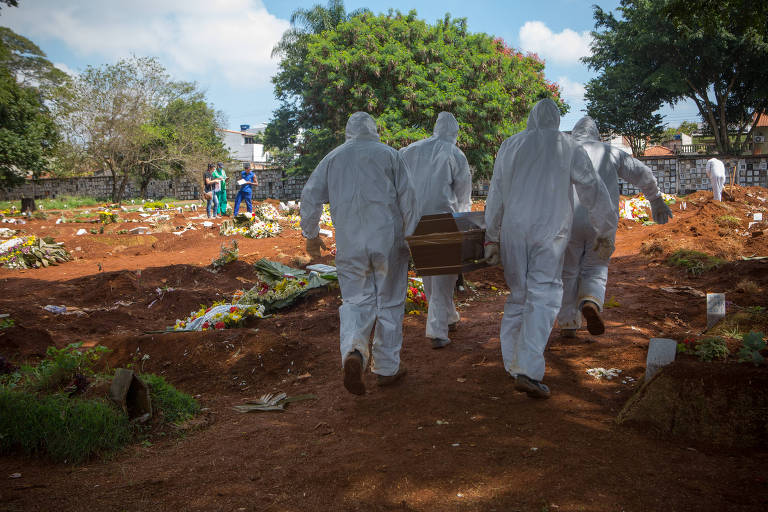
660	211
492	253
604	248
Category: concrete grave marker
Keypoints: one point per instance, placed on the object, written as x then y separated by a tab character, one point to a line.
757	217
715	308
661	352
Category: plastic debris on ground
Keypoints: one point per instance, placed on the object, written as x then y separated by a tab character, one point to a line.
602	373
272	402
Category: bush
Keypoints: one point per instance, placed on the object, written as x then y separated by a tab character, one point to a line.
61	366
65	429
712	348
175	405
694	262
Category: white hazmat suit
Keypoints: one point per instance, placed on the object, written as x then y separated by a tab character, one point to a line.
716	174
584	272
439	173
366	184
529	211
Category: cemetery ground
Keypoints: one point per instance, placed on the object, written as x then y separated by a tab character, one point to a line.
454	435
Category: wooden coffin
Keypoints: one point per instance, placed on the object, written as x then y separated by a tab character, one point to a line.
448	243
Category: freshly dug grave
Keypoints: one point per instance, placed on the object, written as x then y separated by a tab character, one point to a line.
705	404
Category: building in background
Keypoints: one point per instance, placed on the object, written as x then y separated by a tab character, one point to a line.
760	134
243	147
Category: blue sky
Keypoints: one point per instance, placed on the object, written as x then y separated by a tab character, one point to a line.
225	45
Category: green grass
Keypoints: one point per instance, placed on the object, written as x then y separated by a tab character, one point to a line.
69	430
60	203
694	262
175	405
728	221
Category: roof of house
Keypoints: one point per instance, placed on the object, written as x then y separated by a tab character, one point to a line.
761	119
658	151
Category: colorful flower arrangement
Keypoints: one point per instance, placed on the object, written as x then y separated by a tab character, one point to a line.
219	315
31	252
325	218
637	207
256	229
267	212
107	217
294	221
415	298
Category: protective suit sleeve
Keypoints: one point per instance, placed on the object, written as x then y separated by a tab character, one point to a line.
640	175
494	204
313	196
462	182
593	194
406	197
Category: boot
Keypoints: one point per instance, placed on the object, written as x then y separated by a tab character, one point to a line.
439	343
532	388
353	373
595	324
388	380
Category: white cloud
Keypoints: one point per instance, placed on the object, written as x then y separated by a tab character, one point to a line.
68	70
565	47
220	39
572	91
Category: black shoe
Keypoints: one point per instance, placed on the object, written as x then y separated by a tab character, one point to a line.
388	380
353	373
532	388
439	343
595	324
568	333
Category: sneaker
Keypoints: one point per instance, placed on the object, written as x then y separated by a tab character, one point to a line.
353	373
595	324
387	380
532	388
568	333
439	343
453	327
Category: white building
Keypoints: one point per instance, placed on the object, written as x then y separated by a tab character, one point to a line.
242	146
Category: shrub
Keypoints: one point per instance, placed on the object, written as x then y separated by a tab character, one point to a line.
709	349
694	262
751	346
175	405
65	429
61	366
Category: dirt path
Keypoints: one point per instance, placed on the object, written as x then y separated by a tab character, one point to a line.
453	436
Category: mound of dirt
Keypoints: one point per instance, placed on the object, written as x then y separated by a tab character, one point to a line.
720	404
718	228
19	343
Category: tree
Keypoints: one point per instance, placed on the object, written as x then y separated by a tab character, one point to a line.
619	104
10	3
712	52
28	63
27	133
132	120
404	71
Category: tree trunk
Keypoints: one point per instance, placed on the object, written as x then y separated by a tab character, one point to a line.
123	183
28	204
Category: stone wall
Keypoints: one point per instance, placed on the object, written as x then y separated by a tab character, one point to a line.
272	184
685	174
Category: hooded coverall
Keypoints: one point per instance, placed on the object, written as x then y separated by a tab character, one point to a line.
584	272
716	174
372	207
439	173
529	211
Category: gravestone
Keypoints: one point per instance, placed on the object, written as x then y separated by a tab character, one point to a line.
131	394
715	308
661	352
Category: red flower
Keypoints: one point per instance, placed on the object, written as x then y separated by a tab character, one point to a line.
233	309
206	325
219	325
207	310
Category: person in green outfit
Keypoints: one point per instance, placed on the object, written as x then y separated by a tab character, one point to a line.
221	192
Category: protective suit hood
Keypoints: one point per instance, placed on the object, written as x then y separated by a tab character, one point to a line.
446	127
544	115
361	126
585	130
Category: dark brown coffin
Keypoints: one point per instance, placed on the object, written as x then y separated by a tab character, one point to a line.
448	243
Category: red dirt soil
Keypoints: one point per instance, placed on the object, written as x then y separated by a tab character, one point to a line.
454	435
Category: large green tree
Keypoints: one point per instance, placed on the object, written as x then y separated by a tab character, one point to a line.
404	71
620	104
132	120
712	52
27	132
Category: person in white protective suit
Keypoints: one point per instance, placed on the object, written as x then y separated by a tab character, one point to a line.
528	217
584	271
366	183
716	174
439	173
